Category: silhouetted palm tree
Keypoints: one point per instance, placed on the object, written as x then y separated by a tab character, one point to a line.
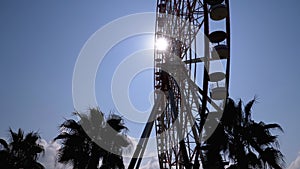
76	145
246	143
21	152
113	158
93	138
250	144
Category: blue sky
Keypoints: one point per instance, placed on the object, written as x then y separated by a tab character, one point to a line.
40	42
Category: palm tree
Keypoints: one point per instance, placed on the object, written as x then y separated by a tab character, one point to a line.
114	159
75	145
214	145
21	152
248	144
93	138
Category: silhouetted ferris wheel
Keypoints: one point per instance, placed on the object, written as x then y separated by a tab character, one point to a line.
187	89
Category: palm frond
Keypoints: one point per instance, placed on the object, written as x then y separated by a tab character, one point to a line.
253	160
63	135
248	108
70	124
249	105
4	144
273	158
273	126
116	122
16	137
32	137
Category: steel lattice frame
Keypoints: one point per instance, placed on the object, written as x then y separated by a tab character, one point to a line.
181	107
180	119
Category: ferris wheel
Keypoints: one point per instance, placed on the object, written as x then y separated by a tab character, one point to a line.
187	89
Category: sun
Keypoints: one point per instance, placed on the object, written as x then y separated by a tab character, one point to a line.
161	44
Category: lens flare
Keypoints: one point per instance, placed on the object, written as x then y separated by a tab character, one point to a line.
161	44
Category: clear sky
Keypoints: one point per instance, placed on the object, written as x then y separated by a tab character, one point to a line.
40	42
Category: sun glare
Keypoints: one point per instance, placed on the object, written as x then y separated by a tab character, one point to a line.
161	44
